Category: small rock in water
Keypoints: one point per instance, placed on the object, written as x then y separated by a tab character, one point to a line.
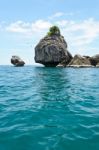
17	61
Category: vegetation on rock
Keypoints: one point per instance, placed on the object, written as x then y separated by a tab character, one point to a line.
52	49
54	30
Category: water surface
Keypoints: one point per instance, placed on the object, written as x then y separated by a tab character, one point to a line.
49	108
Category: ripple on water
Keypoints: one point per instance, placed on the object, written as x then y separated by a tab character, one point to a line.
49	108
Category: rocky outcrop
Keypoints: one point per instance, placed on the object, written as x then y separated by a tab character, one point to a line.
17	61
84	61
52	50
80	61
95	60
97	65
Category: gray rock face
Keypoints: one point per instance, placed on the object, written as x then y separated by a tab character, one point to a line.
97	65
80	61
95	60
17	61
52	50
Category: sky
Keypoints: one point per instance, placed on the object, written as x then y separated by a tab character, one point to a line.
24	22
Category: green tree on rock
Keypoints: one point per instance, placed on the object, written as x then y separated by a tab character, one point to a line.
54	30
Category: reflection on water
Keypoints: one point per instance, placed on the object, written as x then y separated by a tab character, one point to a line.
49	108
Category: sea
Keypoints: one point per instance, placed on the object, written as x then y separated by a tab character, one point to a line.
49	108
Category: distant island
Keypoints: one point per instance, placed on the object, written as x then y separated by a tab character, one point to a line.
52	51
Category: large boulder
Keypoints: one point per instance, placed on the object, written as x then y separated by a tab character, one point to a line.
17	61
95	60
97	65
52	50
80	61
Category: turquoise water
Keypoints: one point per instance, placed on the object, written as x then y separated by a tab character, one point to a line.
49	108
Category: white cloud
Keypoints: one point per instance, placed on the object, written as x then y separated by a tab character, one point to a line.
18	27
28	28
56	15
60	14
1	26
40	25
79	35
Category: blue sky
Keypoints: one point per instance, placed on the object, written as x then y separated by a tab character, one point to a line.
24	22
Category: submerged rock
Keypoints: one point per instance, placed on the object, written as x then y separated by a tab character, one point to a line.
17	61
52	49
